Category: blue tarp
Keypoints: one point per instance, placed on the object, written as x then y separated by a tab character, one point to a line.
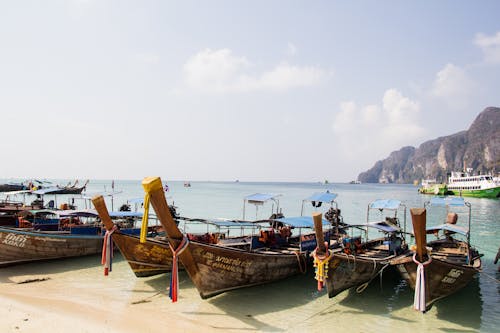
450	227
81	213
385	204
300	221
447	201
380	225
93	213
125	214
322	197
260	197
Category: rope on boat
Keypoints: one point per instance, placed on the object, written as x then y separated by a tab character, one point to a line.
174	278
302	269
107	250
362	287
419	299
321	266
144	225
491	277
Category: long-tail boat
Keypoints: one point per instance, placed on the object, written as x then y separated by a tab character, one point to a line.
353	262
45	238
440	267
67	189
214	268
52	234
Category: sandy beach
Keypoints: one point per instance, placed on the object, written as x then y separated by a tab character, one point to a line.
63	302
73	295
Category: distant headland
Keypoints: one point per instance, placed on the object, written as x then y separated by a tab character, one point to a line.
477	148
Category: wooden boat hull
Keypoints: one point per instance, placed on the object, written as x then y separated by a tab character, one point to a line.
21	246
442	278
347	271
220	269
12	187
147	259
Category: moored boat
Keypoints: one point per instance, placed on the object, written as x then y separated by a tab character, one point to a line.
214	268
8	187
465	184
52	234
354	262
431	186
21	245
67	189
441	267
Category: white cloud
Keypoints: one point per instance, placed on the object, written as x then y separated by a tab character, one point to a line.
370	132
219	71
454	86
490	45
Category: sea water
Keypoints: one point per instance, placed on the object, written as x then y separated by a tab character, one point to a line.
293	304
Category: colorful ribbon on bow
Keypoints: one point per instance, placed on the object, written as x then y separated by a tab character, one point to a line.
107	250
321	266
174	280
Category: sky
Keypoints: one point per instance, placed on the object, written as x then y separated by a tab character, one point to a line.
248	90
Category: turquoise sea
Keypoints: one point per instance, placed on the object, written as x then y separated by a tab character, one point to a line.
295	304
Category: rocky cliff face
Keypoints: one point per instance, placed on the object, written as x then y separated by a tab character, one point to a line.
478	148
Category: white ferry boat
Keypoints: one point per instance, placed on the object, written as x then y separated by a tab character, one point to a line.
467	185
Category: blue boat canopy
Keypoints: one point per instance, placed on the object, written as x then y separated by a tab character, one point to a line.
322	197
380	225
450	227
447	201
229	223
385	204
260	198
125	214
80	213
300	221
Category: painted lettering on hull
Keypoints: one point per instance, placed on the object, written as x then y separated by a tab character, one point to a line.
15	240
213	260
452	276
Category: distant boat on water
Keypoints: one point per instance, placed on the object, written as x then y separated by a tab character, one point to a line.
431	186
467	185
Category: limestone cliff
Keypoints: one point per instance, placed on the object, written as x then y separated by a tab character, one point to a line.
478	148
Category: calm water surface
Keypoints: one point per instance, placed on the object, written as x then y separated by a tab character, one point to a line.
295	304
